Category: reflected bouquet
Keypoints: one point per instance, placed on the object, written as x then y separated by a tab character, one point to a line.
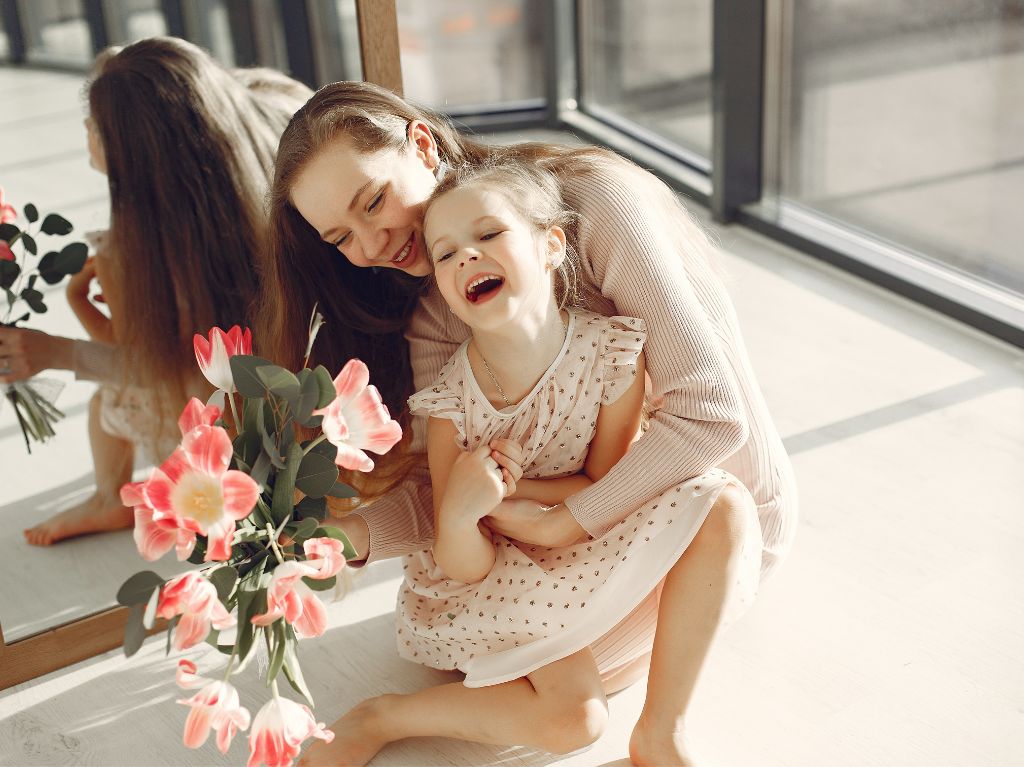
33	399
250	511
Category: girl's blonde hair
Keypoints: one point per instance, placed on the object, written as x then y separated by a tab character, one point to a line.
535	194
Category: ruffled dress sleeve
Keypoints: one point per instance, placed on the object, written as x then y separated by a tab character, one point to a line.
622	340
444	398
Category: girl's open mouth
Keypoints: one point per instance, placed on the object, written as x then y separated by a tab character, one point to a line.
484	288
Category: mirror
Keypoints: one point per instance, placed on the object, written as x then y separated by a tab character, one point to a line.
58	602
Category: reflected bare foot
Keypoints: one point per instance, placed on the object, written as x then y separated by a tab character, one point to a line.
96	514
651	746
358	736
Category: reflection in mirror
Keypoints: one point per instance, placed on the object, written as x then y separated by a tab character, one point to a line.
46	162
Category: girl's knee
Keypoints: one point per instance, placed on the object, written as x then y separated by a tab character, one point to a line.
577	724
729	520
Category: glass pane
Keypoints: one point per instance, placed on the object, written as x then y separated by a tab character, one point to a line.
336	40
207	22
648	62
5	43
470	55
56	32
909	125
131	20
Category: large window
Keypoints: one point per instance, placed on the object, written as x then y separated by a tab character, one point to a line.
55	31
472	55
647	63
906	122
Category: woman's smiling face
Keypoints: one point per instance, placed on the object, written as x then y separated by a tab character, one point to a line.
369	205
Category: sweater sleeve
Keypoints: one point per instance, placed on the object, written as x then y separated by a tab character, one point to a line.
641	251
402	522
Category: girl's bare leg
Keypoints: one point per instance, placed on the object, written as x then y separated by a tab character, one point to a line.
112	461
695	592
558	708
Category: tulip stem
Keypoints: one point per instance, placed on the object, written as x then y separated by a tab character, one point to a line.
234	412
314	443
273	544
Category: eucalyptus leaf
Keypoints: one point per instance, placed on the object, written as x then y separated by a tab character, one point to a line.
9	272
309	396
326	449
8	232
279	381
171	625
31	213
198	555
134	631
32	281
224	579
250	603
270	450
72	258
311	508
342	490
325	584
316	475
247	446
34	299
30	243
48	268
138	588
55	224
326	386
304	529
243	372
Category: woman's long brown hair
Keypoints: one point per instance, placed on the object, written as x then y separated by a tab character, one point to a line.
189	151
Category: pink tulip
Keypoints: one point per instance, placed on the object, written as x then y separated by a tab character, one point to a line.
154	533
6	254
195	599
357	419
216	705
215	352
290	598
7	212
279	730
195	487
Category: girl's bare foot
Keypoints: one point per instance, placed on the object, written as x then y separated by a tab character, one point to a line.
652	746
96	514
358	736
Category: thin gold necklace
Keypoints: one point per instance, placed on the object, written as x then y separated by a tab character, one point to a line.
494	378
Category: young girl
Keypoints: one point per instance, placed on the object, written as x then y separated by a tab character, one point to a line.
537	404
188	148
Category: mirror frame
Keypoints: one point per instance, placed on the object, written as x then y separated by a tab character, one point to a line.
103	631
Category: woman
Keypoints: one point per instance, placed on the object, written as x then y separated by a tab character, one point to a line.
354	169
188	148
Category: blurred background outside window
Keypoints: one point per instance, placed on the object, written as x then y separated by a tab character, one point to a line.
896	121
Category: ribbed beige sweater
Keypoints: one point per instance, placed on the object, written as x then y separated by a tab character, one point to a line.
642	256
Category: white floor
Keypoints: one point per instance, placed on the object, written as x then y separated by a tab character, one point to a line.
892	636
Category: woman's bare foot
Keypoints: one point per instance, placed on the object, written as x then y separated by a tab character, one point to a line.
650	746
358	736
96	514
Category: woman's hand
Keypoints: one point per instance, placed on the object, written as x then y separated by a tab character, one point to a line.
532	522
510	456
475	486
23	353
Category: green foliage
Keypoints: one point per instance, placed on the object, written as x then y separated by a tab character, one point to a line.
56	224
31	213
316	475
139	588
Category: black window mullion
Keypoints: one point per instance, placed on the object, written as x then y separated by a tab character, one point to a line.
96	18
298	37
737	98
15	33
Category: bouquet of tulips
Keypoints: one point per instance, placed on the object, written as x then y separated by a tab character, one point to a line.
229	505
33	400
